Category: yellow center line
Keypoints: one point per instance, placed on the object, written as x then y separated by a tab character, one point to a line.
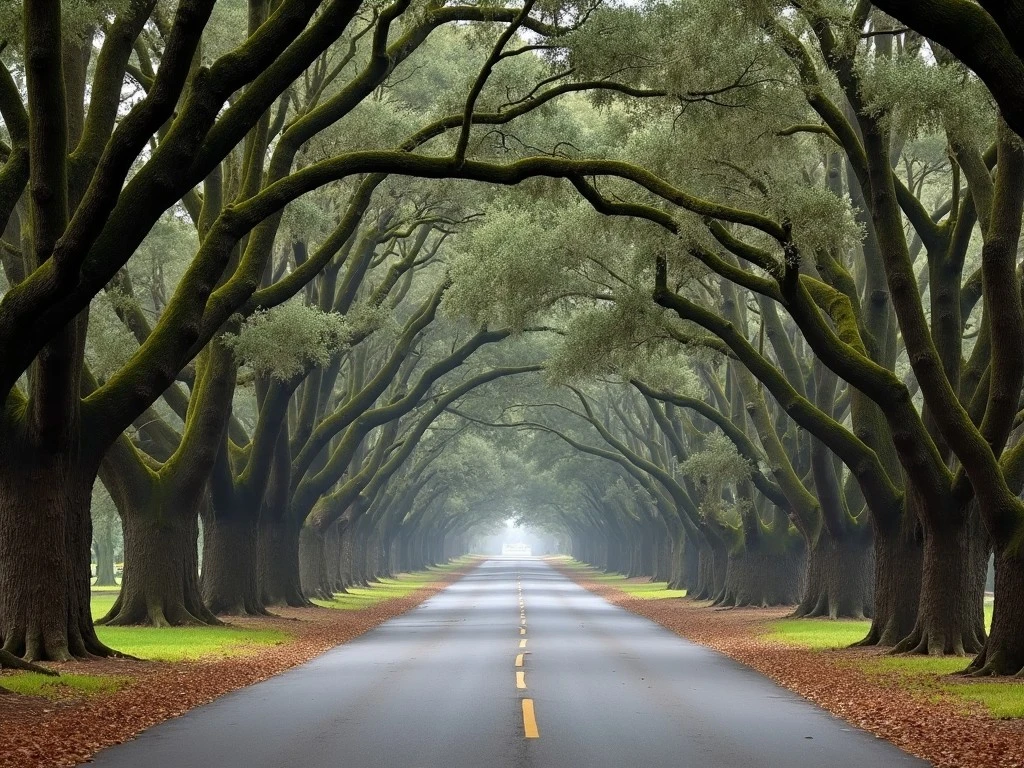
522	643
522	631
530	720
524	621
521	681
519	659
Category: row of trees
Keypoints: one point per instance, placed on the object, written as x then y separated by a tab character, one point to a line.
771	270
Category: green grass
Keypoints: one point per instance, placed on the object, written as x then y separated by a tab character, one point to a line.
928	675
652	590
818	633
647	590
826	633
918	665
1003	700
178	643
187	643
401	585
102	602
35	684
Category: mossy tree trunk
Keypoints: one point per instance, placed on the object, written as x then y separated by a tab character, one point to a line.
160	585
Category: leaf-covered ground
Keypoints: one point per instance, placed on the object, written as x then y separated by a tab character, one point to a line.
64	724
865	687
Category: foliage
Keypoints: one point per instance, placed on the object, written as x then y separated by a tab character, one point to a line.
285	341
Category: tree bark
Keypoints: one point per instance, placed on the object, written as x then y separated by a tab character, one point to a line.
951	610
277	555
897	556
45	556
313	572
762	578
1003	653
230	585
160	585
839	578
711	568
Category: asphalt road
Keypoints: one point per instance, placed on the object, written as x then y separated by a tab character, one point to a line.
451	685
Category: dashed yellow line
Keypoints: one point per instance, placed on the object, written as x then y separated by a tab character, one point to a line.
530	720
530	729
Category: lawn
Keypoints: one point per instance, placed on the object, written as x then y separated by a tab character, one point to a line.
1003	700
818	633
187	643
102	601
826	633
178	643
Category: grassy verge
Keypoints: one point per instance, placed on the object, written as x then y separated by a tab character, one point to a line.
927	676
179	643
825	633
937	675
647	590
65	686
818	633
187	643
402	585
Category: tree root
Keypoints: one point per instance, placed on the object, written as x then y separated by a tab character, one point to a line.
10	661
923	642
156	616
994	665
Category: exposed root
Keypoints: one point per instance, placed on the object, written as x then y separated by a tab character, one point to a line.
933	642
994	665
155	615
10	661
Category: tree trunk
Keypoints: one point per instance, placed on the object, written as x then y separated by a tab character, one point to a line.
229	581
160	585
951	611
711	567
103	541
897	581
763	577
679	553
277	555
45	557
313	565
1003	653
839	578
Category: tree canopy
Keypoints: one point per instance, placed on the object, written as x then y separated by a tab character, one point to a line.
723	293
